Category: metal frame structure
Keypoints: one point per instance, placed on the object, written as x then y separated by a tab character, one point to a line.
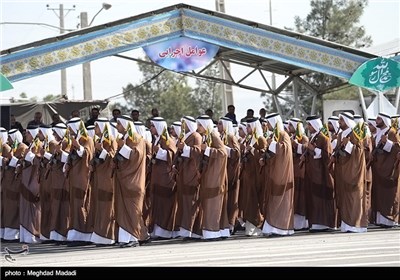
261	48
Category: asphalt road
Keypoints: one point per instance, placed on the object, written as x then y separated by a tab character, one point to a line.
377	247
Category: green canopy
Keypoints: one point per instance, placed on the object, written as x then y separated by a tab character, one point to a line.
4	83
379	74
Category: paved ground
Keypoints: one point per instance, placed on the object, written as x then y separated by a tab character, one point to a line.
377	247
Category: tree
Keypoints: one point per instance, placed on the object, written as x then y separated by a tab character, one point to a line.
336	21
207	94
170	93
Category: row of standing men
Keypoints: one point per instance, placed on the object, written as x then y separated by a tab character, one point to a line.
120	185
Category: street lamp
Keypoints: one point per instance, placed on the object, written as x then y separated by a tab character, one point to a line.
104	7
86	72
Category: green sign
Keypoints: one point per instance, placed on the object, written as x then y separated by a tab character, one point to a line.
379	74
4	83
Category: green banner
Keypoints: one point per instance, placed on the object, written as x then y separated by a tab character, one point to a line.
379	74
4	83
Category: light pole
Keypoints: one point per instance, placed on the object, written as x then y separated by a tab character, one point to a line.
62	29
86	71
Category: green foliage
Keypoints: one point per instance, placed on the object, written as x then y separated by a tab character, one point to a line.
170	93
336	21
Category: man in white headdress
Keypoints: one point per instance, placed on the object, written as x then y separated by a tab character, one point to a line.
130	173
299	144
225	128
11	184
47	148
29	204
279	186
349	177
59	222
252	178
162	181
334	129
187	179
364	135
214	182
102	202
243	139
321	207
176	131
142	130
385	175
81	153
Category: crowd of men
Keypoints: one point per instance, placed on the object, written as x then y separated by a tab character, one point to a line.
119	182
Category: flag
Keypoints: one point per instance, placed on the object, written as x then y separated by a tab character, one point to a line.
360	131
395	124
165	135
299	134
129	130
182	134
208	138
106	135
15	145
83	131
325	130
36	143
276	132
67	138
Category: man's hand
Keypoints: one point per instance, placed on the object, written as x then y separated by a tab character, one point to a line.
180	145
98	146
311	146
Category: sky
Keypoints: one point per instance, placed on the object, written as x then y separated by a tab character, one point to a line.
381	19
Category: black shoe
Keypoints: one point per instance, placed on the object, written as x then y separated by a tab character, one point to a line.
129	244
142	242
103	245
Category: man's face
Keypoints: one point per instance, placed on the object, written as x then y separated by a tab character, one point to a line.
116	114
241	133
231	110
120	127
153	130
97	130
95	114
173	132
40	135
342	124
292	129
310	128
135	116
372	128
330	127
200	129
28	136
220	127
379	122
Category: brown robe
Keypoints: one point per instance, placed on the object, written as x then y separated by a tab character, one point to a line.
6	152
188	185
147	197
60	194
29	204
233	179
79	187
300	197
130	176
350	182
213	187
252	182
321	206
163	186
385	191
103	194
279	187
45	193
12	185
